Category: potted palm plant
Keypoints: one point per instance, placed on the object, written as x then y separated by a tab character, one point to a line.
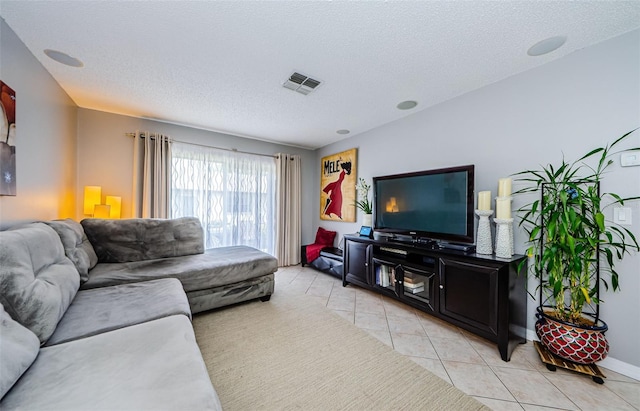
574	250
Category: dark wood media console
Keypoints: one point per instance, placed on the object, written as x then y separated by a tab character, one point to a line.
480	293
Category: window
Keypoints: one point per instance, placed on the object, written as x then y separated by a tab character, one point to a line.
233	195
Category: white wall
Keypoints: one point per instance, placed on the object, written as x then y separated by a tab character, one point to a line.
45	138
105	155
571	105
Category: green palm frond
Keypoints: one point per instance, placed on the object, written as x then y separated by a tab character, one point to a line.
570	241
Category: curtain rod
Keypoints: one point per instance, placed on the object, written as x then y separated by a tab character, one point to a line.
152	137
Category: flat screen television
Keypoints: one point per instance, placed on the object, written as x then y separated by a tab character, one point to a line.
427	205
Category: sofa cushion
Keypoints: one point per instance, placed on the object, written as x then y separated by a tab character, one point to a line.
121	241
76	245
18	349
105	309
37	281
216	267
156	365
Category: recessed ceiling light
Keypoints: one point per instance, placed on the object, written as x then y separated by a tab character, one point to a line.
63	58
547	45
407	105
343	131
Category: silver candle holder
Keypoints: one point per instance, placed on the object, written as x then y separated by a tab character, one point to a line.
484	243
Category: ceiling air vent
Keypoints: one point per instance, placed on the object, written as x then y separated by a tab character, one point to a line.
301	83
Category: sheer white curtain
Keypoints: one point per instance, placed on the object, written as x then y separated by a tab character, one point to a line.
233	195
289	200
151	170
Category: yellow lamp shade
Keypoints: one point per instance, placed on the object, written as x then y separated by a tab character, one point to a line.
101	211
92	196
116	206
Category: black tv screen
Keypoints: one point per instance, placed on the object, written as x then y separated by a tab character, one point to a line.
431	204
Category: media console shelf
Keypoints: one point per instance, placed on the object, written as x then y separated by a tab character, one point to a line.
480	293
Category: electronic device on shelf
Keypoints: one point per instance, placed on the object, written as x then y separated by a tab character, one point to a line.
366	231
419	242
426	242
467	248
431	205
393	250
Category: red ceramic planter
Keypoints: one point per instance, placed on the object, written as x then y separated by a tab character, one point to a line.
583	345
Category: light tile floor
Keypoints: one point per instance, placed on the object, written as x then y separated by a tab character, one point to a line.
467	361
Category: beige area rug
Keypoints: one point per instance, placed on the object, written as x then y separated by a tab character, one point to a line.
292	353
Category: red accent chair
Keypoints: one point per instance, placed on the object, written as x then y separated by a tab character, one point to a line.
321	255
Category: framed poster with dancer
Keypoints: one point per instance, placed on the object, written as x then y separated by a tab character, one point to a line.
7	140
338	186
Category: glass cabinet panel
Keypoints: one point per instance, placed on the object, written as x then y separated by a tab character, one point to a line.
417	284
385	274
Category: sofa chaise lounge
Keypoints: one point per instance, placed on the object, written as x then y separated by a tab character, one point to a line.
73	336
146	249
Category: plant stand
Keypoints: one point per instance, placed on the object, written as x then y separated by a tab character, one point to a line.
552	361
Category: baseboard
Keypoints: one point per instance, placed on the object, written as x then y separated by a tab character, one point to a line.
621	367
609	363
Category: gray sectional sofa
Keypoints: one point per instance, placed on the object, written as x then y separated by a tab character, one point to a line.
97	315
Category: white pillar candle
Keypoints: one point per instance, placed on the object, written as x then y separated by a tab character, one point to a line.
504	187
484	200
101	211
503	208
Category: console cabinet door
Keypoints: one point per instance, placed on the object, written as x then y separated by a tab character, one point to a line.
417	286
468	293
356	264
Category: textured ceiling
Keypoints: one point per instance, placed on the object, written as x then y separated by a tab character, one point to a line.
220	65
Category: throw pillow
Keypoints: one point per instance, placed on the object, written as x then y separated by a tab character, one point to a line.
325	237
76	245
18	350
37	281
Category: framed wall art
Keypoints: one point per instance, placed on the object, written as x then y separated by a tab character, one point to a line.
7	140
338	186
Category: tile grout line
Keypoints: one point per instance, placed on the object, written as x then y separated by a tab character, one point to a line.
585	376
